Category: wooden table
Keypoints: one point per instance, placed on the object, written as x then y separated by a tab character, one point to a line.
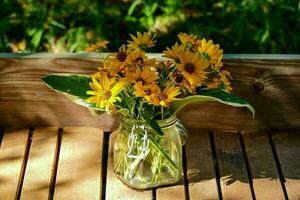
51	148
76	163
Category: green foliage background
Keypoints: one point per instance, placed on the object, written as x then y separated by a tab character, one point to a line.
240	26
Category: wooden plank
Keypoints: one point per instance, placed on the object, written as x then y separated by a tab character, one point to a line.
266	182
173	192
276	106
115	189
200	167
287	145
11	157
234	179
33	104
39	165
79	166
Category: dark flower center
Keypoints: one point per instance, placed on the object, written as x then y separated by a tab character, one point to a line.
139	61
107	95
121	56
178	77
162	96
189	68
142	80
147	91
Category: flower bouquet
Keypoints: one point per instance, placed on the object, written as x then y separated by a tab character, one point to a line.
147	93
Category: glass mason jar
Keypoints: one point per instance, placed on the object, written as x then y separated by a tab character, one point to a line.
143	159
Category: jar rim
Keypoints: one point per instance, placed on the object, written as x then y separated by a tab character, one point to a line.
162	123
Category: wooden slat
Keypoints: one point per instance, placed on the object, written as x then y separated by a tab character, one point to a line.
11	157
79	166
287	145
200	168
32	103
266	182
173	192
115	189
39	165
234	179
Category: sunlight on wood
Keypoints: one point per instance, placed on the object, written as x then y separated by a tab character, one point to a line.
236	190
173	192
39	165
203	190
200	168
234	178
79	167
266	182
287	145
11	157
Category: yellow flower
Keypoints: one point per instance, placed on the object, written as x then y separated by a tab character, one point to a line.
99	45
173	53
211	52
108	68
192	68
147	91
145	76
120	60
168	95
185	38
142	41
105	93
180	81
222	80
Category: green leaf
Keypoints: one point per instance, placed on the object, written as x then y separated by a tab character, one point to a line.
152	122
72	86
216	95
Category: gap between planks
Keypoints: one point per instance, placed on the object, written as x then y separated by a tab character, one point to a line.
55	164
24	176
246	145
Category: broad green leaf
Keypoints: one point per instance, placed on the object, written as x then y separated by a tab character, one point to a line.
72	86
216	95
152	122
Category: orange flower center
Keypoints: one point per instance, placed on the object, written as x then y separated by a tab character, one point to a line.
189	68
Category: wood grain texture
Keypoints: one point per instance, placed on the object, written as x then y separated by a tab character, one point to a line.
25	101
173	192
115	189
11	157
39	165
79	166
266	182
200	167
287	145
234	179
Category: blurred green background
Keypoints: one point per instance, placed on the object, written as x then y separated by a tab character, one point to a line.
240	26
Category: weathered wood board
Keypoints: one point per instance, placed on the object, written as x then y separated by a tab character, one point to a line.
266	182
12	152
25	101
287	145
200	166
39	164
233	175
79	166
